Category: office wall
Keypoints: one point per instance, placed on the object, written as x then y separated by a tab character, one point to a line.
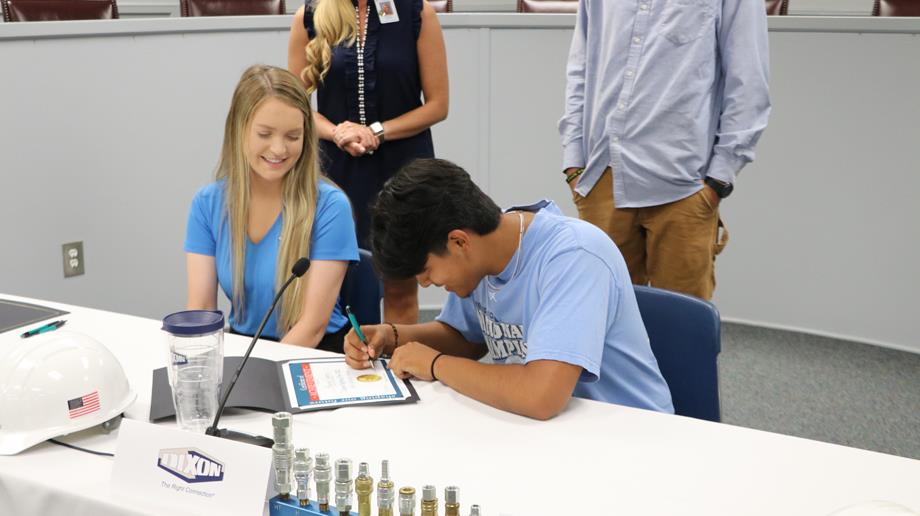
106	140
830	7
108	130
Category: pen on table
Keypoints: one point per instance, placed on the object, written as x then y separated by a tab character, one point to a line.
357	328
42	329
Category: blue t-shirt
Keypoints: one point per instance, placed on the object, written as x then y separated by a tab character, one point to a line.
208	233
571	301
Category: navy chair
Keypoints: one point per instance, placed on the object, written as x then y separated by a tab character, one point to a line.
362	289
684	333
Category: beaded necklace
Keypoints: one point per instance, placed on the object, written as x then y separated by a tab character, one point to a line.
360	51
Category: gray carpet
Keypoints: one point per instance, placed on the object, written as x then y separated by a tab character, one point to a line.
818	388
821	388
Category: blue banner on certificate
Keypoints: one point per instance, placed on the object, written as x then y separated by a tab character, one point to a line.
321	383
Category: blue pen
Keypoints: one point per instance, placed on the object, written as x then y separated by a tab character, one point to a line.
357	328
42	329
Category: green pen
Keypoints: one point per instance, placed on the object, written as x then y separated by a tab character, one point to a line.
357	328
42	329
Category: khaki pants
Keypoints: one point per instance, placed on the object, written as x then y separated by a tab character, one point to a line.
672	246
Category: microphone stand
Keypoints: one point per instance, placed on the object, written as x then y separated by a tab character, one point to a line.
234	435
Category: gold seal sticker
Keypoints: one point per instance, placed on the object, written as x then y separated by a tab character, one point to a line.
369	378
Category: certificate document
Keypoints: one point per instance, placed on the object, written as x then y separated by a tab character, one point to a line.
322	383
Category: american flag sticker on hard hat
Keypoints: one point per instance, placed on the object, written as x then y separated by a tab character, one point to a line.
83	405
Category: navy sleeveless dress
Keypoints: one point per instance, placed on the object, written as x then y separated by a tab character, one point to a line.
392	87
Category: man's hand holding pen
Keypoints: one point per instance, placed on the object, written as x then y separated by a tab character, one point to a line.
380	341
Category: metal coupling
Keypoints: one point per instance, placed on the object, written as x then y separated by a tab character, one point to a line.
407	501
283	463
451	501
364	486
322	472
303	470
343	486
429	501
385	488
282	425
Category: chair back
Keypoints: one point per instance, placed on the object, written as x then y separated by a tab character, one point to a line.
684	333
777	7
442	6
547	6
193	8
896	8
362	289
58	10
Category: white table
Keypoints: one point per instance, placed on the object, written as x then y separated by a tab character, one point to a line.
612	459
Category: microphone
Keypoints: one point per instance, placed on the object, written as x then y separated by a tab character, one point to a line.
298	270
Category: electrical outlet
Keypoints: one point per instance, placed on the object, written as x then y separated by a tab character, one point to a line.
73	259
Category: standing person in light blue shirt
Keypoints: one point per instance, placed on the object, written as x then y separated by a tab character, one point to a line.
546	297
268	208
665	101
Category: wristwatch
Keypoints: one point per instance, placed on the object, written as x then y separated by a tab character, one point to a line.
377	129
722	188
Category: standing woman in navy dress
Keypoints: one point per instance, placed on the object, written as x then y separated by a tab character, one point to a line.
370	75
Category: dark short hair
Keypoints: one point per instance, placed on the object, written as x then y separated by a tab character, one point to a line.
418	207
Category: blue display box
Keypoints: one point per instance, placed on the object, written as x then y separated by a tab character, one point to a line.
278	506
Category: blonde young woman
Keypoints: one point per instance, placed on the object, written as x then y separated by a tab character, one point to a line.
370	71
268	207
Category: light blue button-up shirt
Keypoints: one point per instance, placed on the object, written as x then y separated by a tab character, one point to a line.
666	92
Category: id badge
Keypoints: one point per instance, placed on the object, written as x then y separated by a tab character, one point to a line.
386	11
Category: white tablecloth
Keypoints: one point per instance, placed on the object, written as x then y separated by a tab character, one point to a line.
594	458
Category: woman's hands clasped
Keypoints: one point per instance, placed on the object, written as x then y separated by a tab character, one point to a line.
355	139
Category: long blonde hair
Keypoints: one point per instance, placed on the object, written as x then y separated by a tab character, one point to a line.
335	23
299	190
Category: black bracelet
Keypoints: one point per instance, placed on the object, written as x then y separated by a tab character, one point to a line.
435	359
395	336
571	177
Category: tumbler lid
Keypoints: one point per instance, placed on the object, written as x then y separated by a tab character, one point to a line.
193	322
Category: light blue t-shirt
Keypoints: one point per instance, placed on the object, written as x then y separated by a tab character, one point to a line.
571	301
208	233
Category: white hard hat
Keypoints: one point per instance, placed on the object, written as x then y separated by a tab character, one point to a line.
57	384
